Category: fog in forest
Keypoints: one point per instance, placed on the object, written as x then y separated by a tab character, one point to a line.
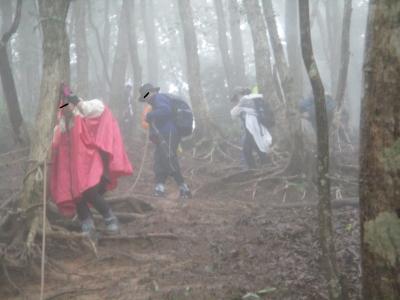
211	149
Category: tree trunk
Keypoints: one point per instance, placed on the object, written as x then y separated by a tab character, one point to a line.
6	17
237	43
292	33
134	121
104	56
20	132
287	83
200	106
223	44
332	17
147	9
29	66
106	42
344	56
82	59
379	154
133	50
120	63
261	50
55	71
323	184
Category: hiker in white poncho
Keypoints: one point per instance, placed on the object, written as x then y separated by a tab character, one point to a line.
256	117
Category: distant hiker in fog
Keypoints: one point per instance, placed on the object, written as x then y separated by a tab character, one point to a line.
256	117
166	132
307	109
88	155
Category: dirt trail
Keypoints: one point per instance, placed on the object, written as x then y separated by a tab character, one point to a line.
227	244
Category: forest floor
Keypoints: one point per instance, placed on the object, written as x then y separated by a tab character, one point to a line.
222	244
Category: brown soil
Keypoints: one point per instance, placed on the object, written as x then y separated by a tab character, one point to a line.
227	244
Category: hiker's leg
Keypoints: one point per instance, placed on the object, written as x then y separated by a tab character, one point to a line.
82	210
248	145
174	166
101	205
160	166
85	217
261	155
98	201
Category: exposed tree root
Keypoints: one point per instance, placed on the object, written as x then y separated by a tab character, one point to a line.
353	202
211	148
73	291
148	237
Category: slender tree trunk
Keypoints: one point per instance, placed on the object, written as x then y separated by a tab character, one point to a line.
287	83
293	45
82	57
147	9
344	55
106	42
28	46
379	154
120	63
104	57
133	50
323	184
6	17
55	71
20	133
200	106
261	50
237	43
223	44
332	17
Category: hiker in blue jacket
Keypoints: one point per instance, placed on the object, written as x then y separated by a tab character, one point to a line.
164	134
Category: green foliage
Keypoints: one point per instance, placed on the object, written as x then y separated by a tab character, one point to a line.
383	237
391	157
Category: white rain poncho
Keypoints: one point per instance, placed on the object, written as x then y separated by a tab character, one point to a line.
260	133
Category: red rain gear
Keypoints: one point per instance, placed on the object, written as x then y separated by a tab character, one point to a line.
76	161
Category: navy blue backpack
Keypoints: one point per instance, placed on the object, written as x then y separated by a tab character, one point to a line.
183	115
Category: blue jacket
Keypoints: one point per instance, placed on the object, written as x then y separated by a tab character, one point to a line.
161	114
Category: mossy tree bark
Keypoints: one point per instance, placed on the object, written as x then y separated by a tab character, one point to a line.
323	183
380	154
55	71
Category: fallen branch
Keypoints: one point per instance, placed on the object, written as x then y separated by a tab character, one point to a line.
353	202
149	236
73	291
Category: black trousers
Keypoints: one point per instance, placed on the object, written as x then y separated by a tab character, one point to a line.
93	196
166	159
249	145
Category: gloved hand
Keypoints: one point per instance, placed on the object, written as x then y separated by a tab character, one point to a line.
74	99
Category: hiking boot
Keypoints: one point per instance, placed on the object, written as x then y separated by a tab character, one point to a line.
159	190
184	191
112	224
88	228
